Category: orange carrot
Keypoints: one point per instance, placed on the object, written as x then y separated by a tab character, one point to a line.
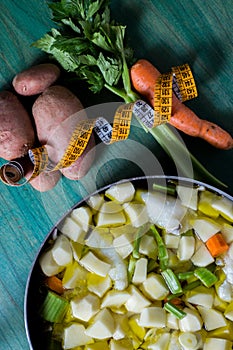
217	245
55	284
144	75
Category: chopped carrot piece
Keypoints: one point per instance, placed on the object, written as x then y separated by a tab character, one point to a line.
55	284
217	245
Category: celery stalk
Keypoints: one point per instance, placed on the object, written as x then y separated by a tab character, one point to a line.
174	310
172	281
54	307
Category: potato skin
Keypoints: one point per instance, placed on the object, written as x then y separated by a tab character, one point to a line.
36	79
16	131
56	112
45	181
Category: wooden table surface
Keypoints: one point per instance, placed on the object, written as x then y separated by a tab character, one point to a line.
167	32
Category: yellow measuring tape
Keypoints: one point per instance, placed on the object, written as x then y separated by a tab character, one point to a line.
179	81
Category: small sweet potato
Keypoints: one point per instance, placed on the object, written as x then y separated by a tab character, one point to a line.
36	79
56	112
16	131
45	181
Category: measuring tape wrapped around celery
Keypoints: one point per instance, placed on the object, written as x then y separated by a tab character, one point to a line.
52	157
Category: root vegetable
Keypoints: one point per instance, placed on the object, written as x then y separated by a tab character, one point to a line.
36	79
53	113
143	77
16	131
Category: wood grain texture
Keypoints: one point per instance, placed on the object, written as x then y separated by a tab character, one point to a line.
167	32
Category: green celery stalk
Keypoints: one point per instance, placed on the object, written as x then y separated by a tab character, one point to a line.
174	310
205	276
172	281
54	307
185	275
162	250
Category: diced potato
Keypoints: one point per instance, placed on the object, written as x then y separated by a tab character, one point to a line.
97	284
95	265
110	214
192	322
171	241
62	251
212	318
161	343
205	203
164	211
82	216
205	228
172	321
123	229
74	335
124	244
202	256
121	193
154	287
121	326
74	275
99	237
188	196
186	248
103	326
153	317
227	232
217	344
48	264
148	246
136	213
140	271
85	308
137	301
73	230
114	298
95	202
225	207
201	296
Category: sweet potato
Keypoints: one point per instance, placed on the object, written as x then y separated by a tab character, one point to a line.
16	131
36	79
56	112
45	181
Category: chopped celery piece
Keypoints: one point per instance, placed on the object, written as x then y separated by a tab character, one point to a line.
170	189
137	241
172	281
174	310
205	276
192	285
54	307
185	275
162	250
131	267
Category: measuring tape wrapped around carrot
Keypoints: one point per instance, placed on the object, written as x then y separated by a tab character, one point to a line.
144	76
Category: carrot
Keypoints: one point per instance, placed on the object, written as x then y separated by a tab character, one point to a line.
55	284
217	245
144	75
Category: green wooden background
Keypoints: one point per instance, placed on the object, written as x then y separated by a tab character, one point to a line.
168	32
